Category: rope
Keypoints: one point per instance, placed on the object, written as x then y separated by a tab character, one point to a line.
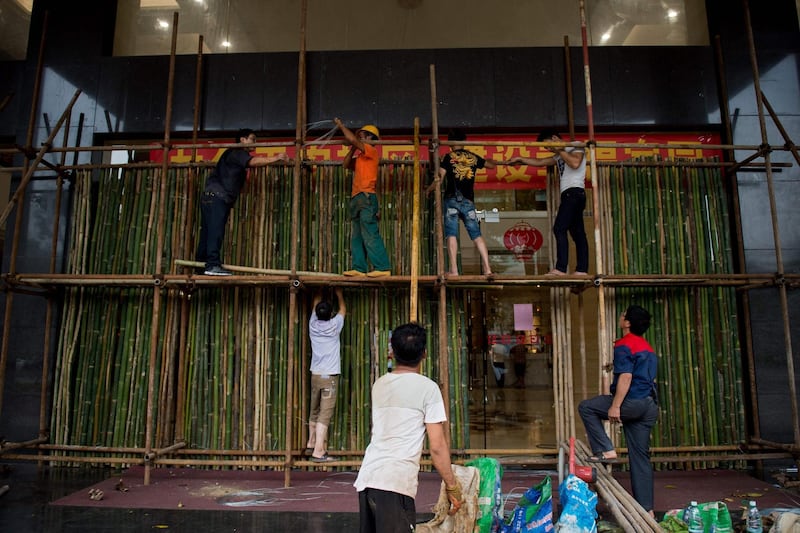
323	139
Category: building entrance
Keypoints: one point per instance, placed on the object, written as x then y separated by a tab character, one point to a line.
511	370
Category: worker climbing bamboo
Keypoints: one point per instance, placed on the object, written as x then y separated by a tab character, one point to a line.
571	164
222	190
633	402
324	328
366	244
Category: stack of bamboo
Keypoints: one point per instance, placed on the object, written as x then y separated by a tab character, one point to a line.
226	387
674	220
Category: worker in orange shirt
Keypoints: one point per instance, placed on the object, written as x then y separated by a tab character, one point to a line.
365	240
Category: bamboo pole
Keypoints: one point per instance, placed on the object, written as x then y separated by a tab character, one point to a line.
443	349
162	197
256	270
568	84
180	401
18	221
632	517
747	164
48	320
20	192
743	281
7	98
603	344
787	335
301	83
7	446
790	146
415	229
154	454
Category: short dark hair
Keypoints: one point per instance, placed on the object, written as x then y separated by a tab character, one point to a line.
639	319
408	344
547	134
244	132
456	134
324	310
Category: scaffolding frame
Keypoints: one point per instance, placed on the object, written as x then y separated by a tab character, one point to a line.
294	279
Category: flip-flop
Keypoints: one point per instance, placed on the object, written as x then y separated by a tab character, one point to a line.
324	459
602	459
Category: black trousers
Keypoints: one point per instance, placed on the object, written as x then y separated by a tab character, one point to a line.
382	511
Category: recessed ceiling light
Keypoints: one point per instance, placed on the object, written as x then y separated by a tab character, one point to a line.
163	24
226	44
672	14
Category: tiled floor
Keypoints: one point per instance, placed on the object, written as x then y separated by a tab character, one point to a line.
26	508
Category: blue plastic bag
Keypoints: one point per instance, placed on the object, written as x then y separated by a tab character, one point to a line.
578	506
533	513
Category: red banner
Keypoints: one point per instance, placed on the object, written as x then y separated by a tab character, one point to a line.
502	177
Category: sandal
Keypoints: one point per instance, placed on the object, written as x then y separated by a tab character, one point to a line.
324	459
601	458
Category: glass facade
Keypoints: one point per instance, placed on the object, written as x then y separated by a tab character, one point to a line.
15	22
144	27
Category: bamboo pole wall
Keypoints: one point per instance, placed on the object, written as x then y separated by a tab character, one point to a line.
235	359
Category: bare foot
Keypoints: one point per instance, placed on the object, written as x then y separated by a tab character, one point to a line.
580	273
556	272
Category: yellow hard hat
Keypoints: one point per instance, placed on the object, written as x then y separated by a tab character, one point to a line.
371	128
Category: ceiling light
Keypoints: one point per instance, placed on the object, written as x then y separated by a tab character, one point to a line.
226	44
605	37
672	14
163	24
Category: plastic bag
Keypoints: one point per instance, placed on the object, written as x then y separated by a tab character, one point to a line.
578	506
490	494
716	516
534	512
464	520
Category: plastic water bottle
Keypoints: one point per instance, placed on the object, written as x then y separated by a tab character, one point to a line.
693	518
754	519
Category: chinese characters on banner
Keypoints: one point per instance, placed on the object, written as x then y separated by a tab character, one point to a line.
502	177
